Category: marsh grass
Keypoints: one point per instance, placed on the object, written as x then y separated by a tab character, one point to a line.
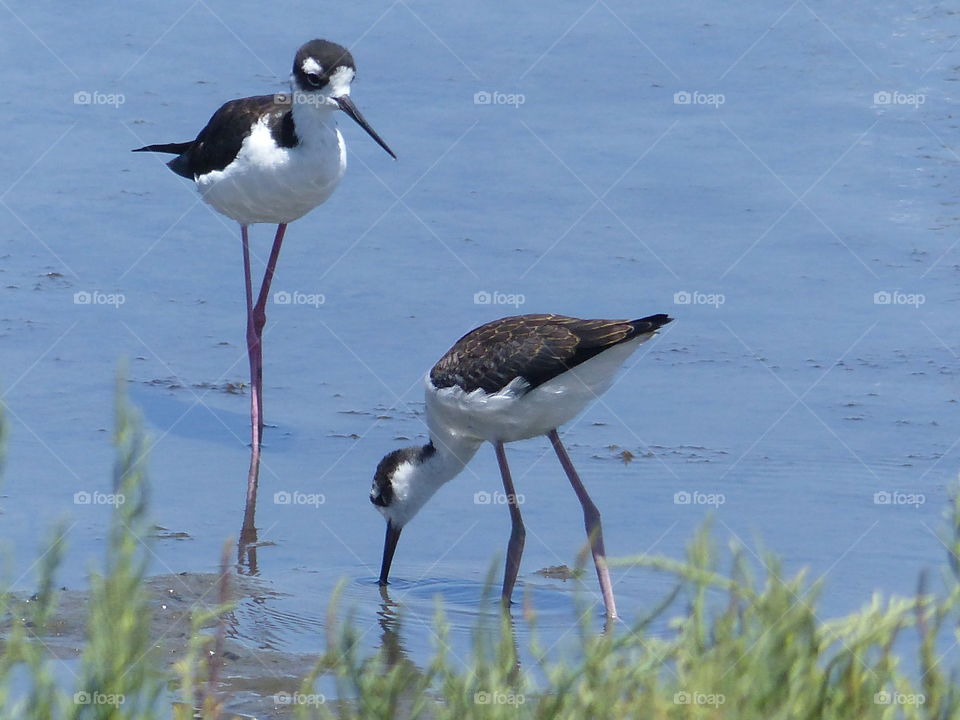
744	647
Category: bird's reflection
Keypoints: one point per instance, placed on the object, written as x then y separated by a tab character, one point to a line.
247	556
247	546
509	626
389	617
391	640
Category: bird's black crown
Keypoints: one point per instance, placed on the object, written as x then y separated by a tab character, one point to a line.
381	494
328	55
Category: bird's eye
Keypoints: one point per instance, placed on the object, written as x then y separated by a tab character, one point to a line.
313	79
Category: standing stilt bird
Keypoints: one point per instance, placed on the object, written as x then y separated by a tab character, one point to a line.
511	379
272	159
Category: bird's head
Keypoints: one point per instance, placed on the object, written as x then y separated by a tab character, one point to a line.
322	74
402	484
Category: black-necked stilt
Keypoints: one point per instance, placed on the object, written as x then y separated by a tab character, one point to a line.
272	159
511	379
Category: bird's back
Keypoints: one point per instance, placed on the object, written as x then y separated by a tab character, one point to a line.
534	347
522	376
216	146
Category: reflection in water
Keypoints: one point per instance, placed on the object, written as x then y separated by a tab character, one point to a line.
394	653
247	556
247	546
267	638
391	643
509	627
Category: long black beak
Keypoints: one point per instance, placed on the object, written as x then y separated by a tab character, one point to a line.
389	547
346	104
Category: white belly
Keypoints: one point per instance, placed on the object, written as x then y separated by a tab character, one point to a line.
507	416
270	184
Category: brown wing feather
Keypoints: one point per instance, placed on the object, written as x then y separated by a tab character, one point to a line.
534	347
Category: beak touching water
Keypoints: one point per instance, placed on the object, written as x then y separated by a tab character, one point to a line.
389	547
346	104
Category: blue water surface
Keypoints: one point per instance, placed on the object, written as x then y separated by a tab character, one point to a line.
779	177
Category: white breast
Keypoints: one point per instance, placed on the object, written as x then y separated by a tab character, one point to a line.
511	414
271	184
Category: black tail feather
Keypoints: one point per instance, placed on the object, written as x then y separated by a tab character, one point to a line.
651	323
173	148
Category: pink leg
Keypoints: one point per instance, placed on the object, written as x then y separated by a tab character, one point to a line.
256	319
255	423
259	317
591	519
517	531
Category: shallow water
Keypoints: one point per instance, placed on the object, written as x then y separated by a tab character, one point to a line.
795	201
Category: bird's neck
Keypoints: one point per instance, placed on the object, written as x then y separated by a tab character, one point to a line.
444	458
451	453
314	123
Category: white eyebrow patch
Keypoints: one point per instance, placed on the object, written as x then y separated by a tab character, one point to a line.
340	81
311	67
